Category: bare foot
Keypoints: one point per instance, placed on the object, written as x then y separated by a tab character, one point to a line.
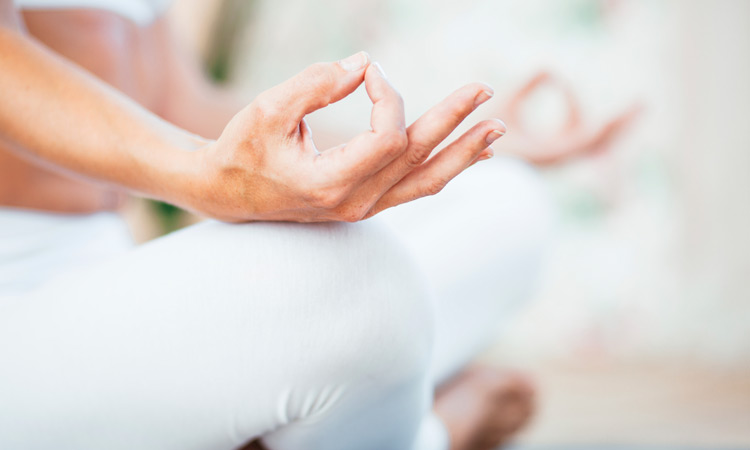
254	445
483	407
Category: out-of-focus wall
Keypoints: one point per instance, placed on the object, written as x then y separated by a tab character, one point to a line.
711	159
652	250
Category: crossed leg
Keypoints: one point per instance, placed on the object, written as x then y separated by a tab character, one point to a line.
313	336
480	244
309	336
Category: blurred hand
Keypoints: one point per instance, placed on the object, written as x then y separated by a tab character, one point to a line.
265	165
576	138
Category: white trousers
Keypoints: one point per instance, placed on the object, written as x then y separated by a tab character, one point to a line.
312	337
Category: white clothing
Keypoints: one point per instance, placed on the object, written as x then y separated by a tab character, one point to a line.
308	336
142	12
210	336
35	247
480	243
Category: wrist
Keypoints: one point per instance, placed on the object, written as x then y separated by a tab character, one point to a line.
179	172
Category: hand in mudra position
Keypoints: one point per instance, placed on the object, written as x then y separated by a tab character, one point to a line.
576	138
265	165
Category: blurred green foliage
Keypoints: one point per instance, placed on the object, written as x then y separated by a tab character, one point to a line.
232	17
168	216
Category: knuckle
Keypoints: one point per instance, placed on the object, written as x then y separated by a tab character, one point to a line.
323	76
395	142
326	198
417	155
315	70
264	105
459	113
354	214
433	187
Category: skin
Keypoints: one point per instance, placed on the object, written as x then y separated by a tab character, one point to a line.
263	166
484	407
577	138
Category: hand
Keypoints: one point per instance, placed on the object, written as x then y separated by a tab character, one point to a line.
576	138
265	165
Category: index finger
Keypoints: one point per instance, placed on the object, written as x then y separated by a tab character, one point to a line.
387	104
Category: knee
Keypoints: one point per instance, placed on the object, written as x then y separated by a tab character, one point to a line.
378	336
352	288
357	319
373	303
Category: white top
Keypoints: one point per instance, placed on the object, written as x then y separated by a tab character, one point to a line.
142	12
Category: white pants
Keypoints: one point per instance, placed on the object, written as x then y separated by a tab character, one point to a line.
312	336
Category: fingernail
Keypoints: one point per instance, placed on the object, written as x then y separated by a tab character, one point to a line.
380	70
483	97
487	154
355	62
494	135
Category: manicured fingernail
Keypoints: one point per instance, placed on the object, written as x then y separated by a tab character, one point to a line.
487	154
494	135
380	70
483	97
355	62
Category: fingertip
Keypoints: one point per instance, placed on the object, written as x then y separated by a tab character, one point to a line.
486	154
481	86
379	70
493	135
484	93
375	72
377	83
498	125
355	62
497	130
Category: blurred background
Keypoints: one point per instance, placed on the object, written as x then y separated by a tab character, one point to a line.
639	332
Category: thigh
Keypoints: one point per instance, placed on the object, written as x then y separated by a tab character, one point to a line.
314	336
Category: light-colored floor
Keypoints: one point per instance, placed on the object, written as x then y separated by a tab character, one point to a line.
593	406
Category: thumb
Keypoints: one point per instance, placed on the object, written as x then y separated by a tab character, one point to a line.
319	85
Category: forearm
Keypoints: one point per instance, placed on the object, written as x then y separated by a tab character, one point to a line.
57	113
265	165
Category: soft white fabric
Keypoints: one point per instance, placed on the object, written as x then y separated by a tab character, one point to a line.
311	336
480	243
34	247
317	337
432	434
142	12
